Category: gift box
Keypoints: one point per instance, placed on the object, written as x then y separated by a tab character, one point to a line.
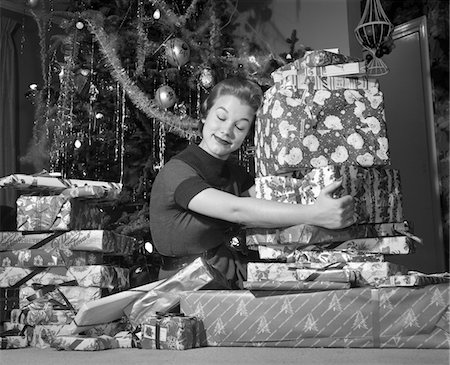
81	240
57	212
166	295
373	273
34	297
322	57
376	191
125	340
385	245
298	127
42	183
170	332
91	275
13	342
414	278
44	315
358	317
305	233
303	286
341	69
83	343
277	271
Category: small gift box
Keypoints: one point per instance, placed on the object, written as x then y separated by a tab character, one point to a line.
300	286
13	342
170	332
414	278
76	240
83	343
374	273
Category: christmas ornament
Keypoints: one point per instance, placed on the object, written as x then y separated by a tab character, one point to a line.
77	144
207	78
373	29
177	52
99	116
32	3
165	97
79	25
157	14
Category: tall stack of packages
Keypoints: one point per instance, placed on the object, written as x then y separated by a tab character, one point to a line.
59	258
321	121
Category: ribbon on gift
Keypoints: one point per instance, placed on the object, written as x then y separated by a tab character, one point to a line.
42	290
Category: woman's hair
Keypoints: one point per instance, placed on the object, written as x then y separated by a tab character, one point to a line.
247	91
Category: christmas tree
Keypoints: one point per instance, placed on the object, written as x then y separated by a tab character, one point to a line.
123	83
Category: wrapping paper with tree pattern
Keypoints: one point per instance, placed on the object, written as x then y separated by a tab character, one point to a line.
376	192
303	286
170	332
90	275
58	212
385	245
358	318
305	233
302	128
76	240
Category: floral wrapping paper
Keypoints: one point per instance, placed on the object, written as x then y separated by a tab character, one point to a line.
303	286
376	192
356	318
41	183
83	343
50	257
166	295
374	273
91	275
305	233
277	271
321	259
400	245
170	332
313	128
54	213
38	298
45	315
13	342
75	240
414	278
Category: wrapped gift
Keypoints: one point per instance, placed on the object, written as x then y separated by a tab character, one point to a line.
57	212
373	273
42	183
44	315
376	192
303	286
170	332
359	317
322	259
258	271
305	233
13	342
414	278
348	68
125	340
313	128
91	275
83	343
35	297
9	299
83	240
322	57
166	295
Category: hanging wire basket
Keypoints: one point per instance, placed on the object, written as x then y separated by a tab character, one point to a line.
372	30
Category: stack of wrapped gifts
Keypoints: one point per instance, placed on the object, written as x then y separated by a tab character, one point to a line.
323	121
59	258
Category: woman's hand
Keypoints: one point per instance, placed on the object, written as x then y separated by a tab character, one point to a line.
333	213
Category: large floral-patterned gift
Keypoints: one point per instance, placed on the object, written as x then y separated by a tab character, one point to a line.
374	273
385	245
45	315
76	240
376	192
170	332
52	185
305	233
37	297
91	275
84	343
303	128
357	318
58	212
260	271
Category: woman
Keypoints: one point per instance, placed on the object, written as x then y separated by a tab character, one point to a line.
200	196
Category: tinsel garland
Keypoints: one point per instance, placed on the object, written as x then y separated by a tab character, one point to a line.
178	21
142	37
184	126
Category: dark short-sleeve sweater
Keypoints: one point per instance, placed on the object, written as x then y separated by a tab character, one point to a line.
176	230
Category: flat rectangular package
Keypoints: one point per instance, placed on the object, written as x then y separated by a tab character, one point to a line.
76	240
355	318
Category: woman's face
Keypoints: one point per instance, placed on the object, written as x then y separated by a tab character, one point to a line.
226	126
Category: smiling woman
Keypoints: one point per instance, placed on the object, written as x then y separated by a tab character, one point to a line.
200	198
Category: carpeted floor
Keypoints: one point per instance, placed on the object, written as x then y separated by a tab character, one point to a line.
229	356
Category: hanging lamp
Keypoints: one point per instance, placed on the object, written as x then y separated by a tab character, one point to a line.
372	30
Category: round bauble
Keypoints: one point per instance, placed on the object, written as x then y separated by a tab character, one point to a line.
207	78
32	3
177	52
165	97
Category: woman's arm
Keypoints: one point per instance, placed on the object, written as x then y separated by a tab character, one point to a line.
252	212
